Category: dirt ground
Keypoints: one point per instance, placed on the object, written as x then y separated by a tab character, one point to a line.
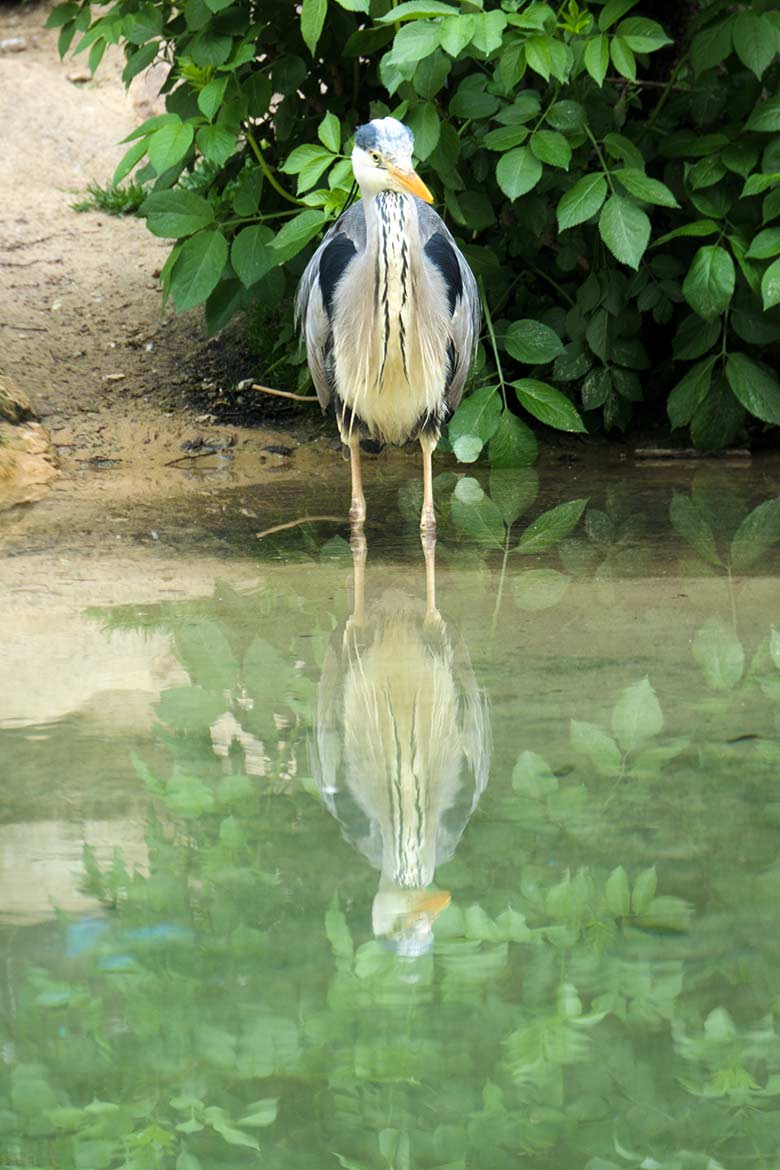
119	385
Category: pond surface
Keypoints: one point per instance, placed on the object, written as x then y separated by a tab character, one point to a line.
382	856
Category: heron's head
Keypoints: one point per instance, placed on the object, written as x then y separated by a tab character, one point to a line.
382	159
405	917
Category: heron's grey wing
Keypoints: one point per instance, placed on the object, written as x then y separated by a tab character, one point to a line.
316	292
462	296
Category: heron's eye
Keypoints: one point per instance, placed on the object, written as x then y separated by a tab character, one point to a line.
375	156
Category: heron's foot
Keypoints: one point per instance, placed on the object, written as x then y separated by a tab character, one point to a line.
428	522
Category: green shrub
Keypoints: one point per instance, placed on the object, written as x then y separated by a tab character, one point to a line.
617	191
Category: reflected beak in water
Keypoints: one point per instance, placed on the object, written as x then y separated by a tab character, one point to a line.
430	904
411	182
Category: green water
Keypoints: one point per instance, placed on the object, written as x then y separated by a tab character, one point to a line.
223	940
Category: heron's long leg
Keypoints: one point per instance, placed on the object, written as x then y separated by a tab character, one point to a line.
357	511
428	516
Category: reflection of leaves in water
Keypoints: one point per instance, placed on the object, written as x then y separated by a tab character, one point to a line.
688	521
551	527
720	654
756	534
539	588
636	716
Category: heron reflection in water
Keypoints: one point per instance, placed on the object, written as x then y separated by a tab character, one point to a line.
402	746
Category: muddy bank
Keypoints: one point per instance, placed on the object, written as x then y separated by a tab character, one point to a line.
121	386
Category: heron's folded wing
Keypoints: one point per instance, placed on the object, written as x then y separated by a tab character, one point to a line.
462	296
317	289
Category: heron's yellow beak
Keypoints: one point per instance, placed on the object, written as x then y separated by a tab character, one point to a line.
411	182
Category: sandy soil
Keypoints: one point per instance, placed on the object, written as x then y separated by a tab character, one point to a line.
119	385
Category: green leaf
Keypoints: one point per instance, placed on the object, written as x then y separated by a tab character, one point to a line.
177	213
638	184
597	58
517	172
625	229
313	14
757	533
548	405
718	419
414	41
770	286
505	137
538	55
755	386
618	893
592	741
532	342
467	448
551	527
216	143
478	414
211	96
129	159
636	716
198	269
596	388
709	284
513	444
329	132
296	234
551	147
643	35
757	184
169	144
536	589
754	42
307	162
581	201
209	48
690	392
567	116
455	32
720	655
613	10
251	254
423	121
354	5
488	30
414	9
697	227
711	46
764	245
689	522
623	58
765	117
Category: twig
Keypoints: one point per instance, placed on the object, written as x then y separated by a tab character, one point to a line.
286	394
295	523
24	328
649	84
264	167
189	458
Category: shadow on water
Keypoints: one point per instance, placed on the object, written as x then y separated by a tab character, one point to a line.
559	748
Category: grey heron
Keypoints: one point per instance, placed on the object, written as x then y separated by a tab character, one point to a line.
402	747
389	309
